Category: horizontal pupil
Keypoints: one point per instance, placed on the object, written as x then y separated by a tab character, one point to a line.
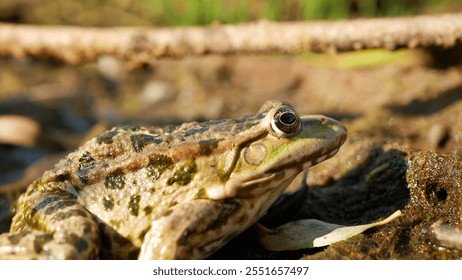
287	118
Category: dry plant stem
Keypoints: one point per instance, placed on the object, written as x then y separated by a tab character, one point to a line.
77	44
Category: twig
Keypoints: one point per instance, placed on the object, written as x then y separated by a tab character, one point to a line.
76	44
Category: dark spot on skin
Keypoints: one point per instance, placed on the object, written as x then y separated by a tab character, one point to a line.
41	240
134	205
167	212
242	219
208	146
139	141
201	194
46	201
227	209
69	214
61	177
184	174
86	163
106	137
147	210
80	243
83	175
15	238
172	203
108	203
58	206
143	233
86	229
132	128
115	223
115	180
157	166
195	131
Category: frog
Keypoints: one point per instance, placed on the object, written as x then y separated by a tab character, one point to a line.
174	192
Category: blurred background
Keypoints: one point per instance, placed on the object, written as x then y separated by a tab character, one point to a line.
200	12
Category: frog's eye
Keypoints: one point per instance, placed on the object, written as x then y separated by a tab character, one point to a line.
285	122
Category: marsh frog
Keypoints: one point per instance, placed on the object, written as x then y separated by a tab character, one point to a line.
178	192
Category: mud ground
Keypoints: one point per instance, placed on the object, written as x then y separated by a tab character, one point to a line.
403	152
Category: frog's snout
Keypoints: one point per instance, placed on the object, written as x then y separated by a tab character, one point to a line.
343	133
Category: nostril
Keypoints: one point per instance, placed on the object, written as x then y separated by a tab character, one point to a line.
323	121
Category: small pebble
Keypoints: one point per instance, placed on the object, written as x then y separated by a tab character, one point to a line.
155	92
450	237
111	68
438	135
19	130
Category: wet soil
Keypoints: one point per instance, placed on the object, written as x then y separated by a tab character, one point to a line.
403	152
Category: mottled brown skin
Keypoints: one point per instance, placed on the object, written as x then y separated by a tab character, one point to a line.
137	192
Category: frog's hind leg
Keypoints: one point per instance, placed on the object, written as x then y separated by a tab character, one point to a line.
50	226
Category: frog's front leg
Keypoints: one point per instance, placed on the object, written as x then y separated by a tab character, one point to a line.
50	225
191	230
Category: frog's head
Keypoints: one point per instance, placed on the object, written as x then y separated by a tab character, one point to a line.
283	145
